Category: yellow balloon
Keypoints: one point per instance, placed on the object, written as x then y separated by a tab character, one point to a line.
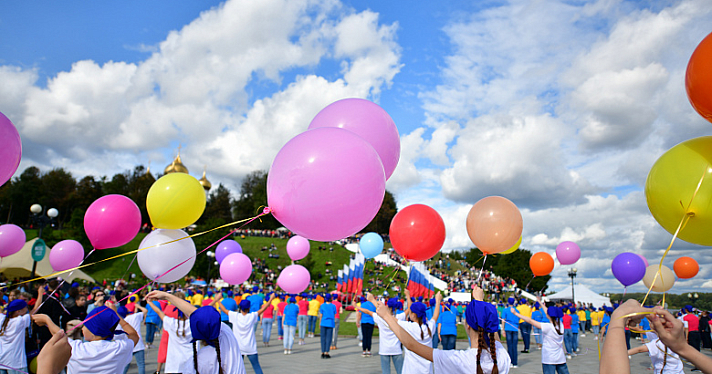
671	184
514	248
33	365
663	283
175	201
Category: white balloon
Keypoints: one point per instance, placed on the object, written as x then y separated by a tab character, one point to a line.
156	261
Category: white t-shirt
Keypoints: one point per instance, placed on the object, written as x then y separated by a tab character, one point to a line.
230	356
135	321
179	349
412	363
100	356
552	345
465	362
656	350
243	326
12	342
388	343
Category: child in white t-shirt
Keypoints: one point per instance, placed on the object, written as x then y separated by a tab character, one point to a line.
179	347
664	360
12	334
135	320
389	347
101	352
218	351
553	356
485	353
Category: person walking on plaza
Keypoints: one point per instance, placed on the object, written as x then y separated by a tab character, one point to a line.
289	324
327	314
552	351
537	315
337	321
303	318
526	329
367	324
389	347
243	323
447	327
312	314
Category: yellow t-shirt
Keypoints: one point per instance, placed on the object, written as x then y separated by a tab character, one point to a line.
197	300
276	302
582	315
313	308
594	319
524	310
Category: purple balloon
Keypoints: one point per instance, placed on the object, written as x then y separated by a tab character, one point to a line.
644	260
367	120
10	149
568	253
628	268
236	268
297	247
66	254
294	279
326	184
225	248
12	239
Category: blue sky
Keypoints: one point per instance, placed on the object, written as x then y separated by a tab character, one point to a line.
560	106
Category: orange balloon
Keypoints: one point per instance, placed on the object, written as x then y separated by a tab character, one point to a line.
685	267
698	79
494	224
541	264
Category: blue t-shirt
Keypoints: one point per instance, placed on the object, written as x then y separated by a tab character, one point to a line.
151	316
230	304
328	311
645	324
256	301
574	323
448	322
604	322
365	318
511	320
290	314
538	315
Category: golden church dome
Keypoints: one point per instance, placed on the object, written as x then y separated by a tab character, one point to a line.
205	182
176	166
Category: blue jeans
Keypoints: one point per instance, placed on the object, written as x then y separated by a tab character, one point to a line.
302	323
7	371
280	330
512	337
436	340
150	332
254	360
526	334
596	329
537	335
568	336
448	342
140	362
326	335
266	329
386	363
574	342
555	368
312	324
289	336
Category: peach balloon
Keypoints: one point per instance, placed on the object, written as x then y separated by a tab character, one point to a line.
494	224
664	281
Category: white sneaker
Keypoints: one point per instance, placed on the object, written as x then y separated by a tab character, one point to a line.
285	351
360	343
513	367
568	356
596	338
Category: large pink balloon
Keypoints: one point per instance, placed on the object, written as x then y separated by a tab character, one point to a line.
294	279
236	268
297	247
326	184
10	149
367	120
66	254
112	221
568	253
12	239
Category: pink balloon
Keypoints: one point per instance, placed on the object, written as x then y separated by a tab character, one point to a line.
568	253
66	254
644	260
10	149
236	268
326	184
12	239
367	120
297	247
112	221
294	279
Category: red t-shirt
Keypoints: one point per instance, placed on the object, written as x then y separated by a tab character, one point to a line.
338	305
693	323
269	312
567	321
280	308
303	307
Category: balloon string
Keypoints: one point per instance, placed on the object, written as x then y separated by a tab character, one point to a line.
246	221
530	281
483	269
625	290
128	268
51	295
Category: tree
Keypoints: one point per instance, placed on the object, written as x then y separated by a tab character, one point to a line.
381	223
24	191
253	197
218	205
514	265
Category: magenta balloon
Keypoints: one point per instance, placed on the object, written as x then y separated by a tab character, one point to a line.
12	239
10	149
644	260
367	120
236	268
326	184
225	248
297	247
568	253
66	254
112	221
294	279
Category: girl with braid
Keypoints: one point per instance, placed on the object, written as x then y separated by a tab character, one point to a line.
179	335
213	345
664	360
486	353
553	358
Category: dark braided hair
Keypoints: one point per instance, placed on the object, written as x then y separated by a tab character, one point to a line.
664	359
493	353
5	323
195	358
481	344
420	324
216	342
217	349
480	347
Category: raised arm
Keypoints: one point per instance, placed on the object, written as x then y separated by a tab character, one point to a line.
359	309
38	302
636	350
44	320
216	300
671	333
436	313
402	335
526	319
130	331
143	310
184	306
614	354
265	305
155	308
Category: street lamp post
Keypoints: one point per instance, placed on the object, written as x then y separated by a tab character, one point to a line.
572	275
41	220
210	255
693	298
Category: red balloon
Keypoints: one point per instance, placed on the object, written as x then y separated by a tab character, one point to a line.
541	264
686	267
417	232
698	78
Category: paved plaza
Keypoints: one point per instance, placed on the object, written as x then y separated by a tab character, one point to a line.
347	359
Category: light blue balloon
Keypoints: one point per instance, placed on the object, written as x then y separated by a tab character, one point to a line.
371	245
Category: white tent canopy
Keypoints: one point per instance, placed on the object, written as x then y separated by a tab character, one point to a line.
583	294
19	265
